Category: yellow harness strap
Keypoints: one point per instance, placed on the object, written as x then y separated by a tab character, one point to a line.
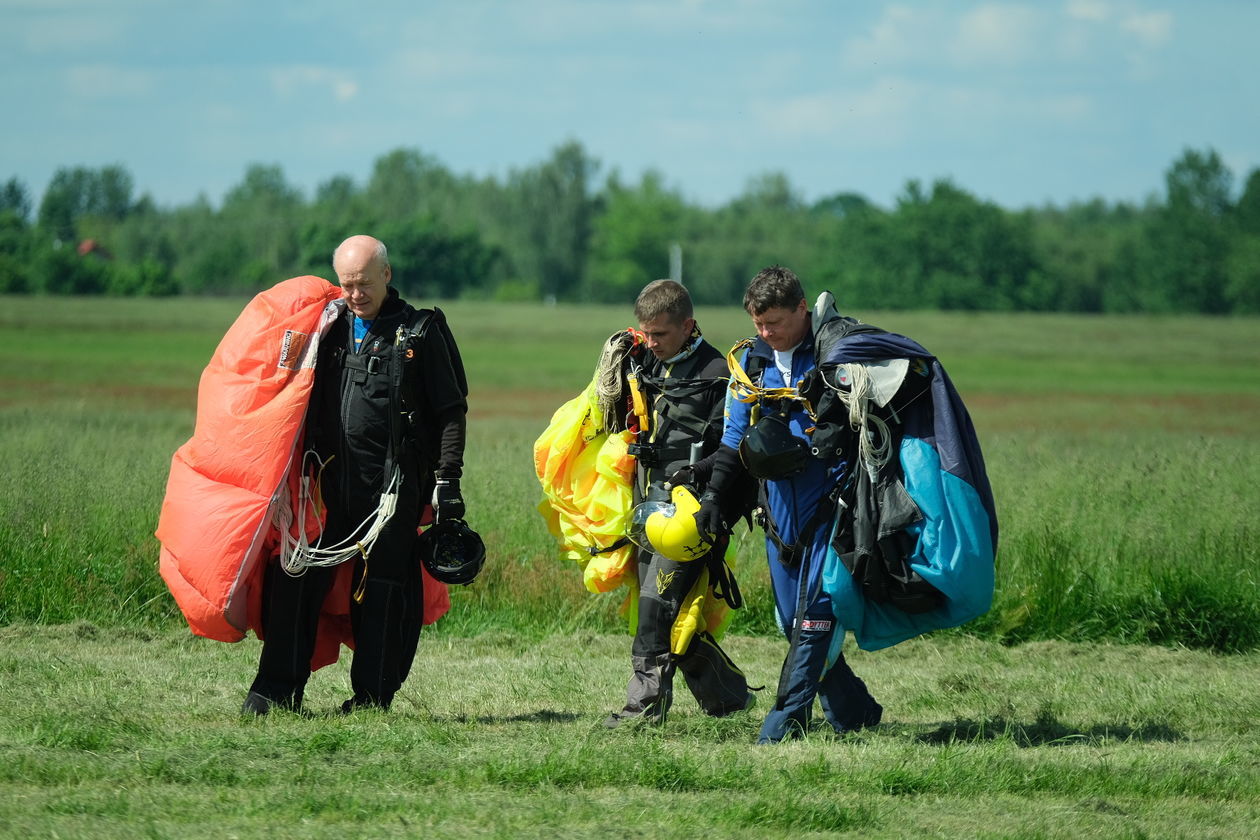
744	390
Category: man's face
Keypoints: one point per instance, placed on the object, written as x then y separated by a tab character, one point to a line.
665	337
782	328
363	282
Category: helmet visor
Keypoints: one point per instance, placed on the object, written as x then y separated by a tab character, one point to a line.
637	529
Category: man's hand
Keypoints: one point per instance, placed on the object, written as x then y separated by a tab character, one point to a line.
709	520
685	476
448	504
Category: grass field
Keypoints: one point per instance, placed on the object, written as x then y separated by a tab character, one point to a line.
1110	692
133	734
1123	452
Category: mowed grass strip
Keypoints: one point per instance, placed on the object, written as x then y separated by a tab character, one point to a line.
111	733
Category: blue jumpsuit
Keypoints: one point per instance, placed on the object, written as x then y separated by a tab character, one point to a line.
803	609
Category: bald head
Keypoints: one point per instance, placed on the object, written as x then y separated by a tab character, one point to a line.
362	267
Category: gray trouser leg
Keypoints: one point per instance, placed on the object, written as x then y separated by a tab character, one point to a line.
649	693
651	689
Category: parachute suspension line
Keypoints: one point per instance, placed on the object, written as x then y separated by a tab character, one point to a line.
874	443
610	384
297	553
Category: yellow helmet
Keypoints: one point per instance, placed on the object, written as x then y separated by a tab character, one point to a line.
669	528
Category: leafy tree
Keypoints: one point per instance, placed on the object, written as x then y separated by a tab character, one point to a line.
630	239
149	277
957	252
59	269
1242	288
1083	257
843	205
766	224
1243	272
550	210
545	232
78	192
1247	211
429	262
406	183
263	213
1186	245
15	243
15	199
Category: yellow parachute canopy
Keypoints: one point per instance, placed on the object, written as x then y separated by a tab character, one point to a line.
586	475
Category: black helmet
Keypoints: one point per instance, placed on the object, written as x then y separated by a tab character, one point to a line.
771	451
452	552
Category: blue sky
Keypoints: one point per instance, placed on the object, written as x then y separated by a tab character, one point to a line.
1021	103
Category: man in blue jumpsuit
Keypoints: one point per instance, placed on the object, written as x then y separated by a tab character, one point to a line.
773	443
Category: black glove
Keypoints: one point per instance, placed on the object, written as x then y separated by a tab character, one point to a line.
686	476
723	469
448	504
709	520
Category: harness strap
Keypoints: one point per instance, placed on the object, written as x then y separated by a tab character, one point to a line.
722	577
366	363
397	367
744	390
620	543
789	553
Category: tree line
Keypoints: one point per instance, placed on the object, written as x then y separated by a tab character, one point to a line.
557	231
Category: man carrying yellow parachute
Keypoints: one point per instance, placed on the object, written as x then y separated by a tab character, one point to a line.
618	465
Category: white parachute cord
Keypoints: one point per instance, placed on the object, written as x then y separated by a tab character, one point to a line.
874	443
297	553
610	384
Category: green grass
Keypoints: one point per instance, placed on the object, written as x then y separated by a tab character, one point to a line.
112	733
1094	700
1123	452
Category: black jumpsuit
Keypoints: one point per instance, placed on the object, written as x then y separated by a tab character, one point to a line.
355	425
687	399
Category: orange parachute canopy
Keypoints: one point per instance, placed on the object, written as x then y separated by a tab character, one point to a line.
216	527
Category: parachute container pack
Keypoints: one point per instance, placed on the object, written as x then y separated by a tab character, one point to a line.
913	546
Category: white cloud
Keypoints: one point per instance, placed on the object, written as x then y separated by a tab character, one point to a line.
997	34
1152	29
901	34
881	113
1005	35
1091	10
66	33
942	37
299	78
422	64
108	81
